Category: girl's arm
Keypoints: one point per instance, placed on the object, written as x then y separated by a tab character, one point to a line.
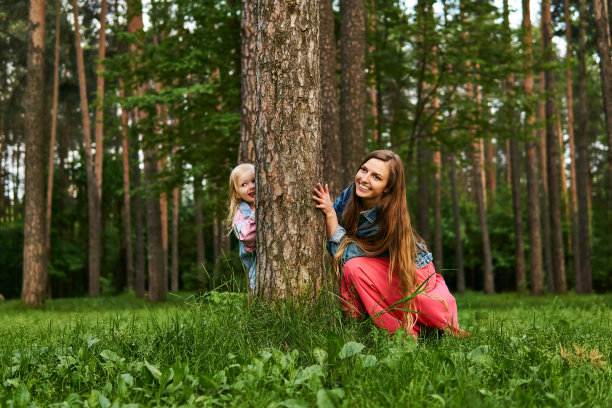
325	204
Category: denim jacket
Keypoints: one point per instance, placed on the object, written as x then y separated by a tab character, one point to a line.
367	227
244	228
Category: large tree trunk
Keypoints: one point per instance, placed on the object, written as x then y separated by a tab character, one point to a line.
155	250
558	260
288	146
582	164
330	119
535	241
52	143
246	152
488	284
92	184
372	74
34	259
570	130
438	251
353	93
605	61
127	217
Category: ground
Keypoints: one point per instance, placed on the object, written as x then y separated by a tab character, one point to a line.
219	350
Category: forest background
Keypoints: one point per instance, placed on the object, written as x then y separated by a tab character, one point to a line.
509	174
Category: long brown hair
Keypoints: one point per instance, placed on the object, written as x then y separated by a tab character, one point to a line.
395	232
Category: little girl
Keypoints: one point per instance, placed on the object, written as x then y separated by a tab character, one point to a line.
241	217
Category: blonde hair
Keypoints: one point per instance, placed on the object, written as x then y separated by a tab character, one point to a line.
395	233
234	196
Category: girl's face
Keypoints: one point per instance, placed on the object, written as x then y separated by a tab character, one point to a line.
245	186
371	182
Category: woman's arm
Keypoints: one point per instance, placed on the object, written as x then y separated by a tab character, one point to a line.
325	204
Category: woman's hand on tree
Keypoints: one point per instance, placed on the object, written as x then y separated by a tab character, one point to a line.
324	200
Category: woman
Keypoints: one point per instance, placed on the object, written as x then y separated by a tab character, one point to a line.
383	261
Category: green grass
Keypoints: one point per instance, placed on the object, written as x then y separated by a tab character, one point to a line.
218	350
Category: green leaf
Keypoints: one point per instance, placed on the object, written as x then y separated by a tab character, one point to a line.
350	349
22	396
110	355
368	360
103	401
154	370
320	355
329	398
294	403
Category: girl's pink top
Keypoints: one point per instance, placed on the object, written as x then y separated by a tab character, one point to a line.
244	227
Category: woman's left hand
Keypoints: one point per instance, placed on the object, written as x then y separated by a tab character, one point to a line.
324	200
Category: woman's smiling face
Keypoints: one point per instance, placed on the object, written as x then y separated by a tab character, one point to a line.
371	182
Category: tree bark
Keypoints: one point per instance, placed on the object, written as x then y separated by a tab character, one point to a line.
371	72
423	171
92	184
330	119
247	120
174	274
353	86
127	217
134	18
582	164
139	271
199	225
570	131
457	226
288	147
34	257
155	250
51	163
550	281
605	61
490	168
558	261
535	241
438	249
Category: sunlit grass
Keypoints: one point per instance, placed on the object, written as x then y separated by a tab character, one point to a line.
220	350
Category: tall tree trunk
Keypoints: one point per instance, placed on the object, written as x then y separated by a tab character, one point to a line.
514	159
535	241
92	184
52	143
155	251
139	271
288	143
438	249
216	238
163	208
550	281
34	257
352	94
471	93
199	226
246	152
508	167
457	225
134	18
521	276
558	260
423	171
330	119
605	60
582	164
17	164
570	130
174	274
490	167
127	217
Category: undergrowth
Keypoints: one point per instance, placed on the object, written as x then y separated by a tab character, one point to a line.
222	350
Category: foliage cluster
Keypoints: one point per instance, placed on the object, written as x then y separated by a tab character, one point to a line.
219	349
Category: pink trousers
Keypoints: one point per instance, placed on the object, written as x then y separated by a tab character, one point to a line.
366	289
